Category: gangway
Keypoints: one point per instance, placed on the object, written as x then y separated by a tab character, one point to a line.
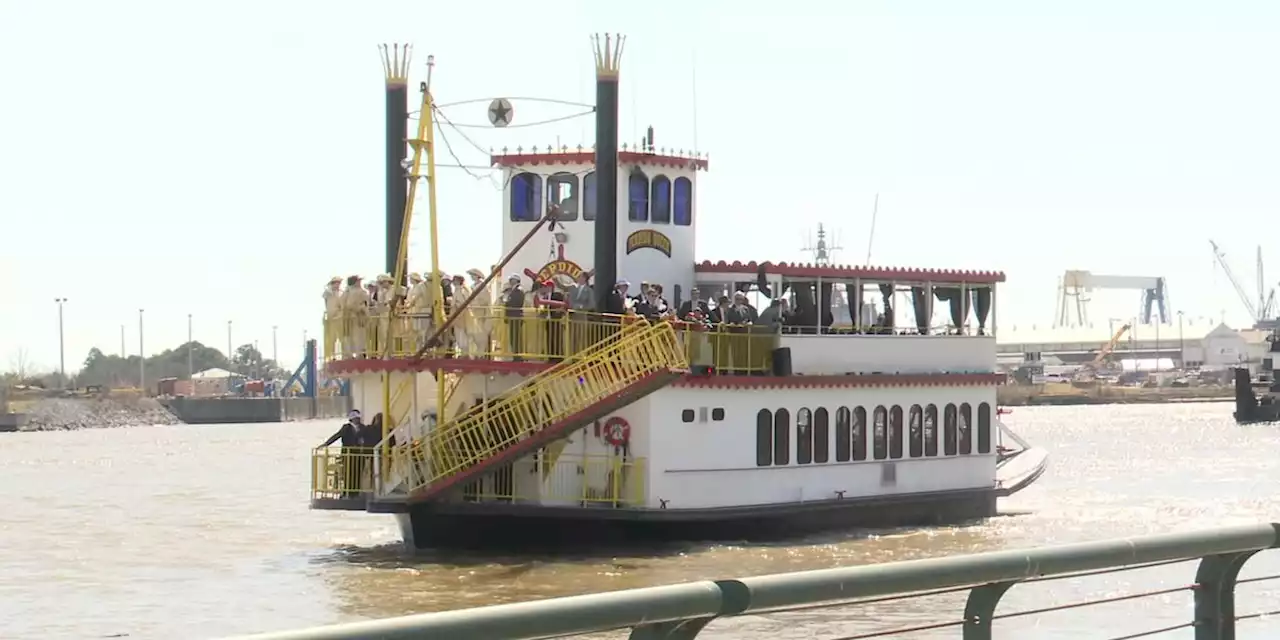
615	372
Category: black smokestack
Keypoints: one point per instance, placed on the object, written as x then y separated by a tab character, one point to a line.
395	64
608	56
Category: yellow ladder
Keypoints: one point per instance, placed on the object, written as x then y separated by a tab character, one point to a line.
614	373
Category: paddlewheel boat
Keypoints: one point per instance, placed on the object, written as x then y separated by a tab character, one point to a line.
555	426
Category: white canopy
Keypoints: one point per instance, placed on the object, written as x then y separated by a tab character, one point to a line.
214	374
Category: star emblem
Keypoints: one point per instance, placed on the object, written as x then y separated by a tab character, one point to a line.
500	112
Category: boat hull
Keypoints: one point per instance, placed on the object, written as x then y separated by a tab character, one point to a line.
493	526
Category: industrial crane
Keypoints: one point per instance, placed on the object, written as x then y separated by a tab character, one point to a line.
1263	310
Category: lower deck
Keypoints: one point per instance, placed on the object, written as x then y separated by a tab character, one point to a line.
692	447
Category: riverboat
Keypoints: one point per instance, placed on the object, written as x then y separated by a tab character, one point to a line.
522	426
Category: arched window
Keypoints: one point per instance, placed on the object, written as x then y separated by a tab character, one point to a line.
638	197
895	432
660	201
781	437
562	190
844	439
879	433
931	430
804	435
589	196
683	209
949	430
984	428
915	431
526	197
966	429
859	433
821	436
764	438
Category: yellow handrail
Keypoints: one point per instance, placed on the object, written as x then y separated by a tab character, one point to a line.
551	396
539	335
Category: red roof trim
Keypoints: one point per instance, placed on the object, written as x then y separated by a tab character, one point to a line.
497	367
842	381
588	156
800	270
339	368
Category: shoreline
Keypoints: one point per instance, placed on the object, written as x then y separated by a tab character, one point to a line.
1066	395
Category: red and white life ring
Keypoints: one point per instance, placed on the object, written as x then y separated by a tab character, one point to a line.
616	432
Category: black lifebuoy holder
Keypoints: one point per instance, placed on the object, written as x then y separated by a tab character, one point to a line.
616	432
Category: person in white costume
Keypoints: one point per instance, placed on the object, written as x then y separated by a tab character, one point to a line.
481	316
421	298
460	328
332	316
355	317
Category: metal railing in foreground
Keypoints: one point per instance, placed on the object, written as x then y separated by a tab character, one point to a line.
682	611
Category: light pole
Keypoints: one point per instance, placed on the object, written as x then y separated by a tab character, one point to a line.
1182	347
142	358
229	345
122	352
275	356
62	352
191	366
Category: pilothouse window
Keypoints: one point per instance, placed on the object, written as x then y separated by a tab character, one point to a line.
683	201
589	196
526	197
638	197
562	191
660	204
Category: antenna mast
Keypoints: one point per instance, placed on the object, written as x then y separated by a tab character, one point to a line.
871	237
822	251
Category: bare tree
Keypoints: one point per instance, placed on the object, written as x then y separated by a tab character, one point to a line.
20	363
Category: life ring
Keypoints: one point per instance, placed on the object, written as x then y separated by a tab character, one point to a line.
616	432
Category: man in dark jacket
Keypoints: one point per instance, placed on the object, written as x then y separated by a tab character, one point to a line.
351	435
513	301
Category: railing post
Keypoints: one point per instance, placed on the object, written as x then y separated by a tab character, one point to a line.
1215	595
674	630
980	609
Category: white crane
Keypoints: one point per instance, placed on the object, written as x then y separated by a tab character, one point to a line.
1264	308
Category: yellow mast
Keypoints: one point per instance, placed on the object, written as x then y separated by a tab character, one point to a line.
423	142
426	125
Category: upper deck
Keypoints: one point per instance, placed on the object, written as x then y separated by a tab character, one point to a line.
832	320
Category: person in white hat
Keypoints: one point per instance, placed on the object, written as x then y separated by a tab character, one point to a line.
461	326
480	320
355	317
332	316
421	297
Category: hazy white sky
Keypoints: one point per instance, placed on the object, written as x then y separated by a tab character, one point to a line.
225	159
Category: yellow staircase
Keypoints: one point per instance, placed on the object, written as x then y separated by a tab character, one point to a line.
614	373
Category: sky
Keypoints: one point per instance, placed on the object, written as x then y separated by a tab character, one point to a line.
223	160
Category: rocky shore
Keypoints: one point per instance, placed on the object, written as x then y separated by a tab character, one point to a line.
64	414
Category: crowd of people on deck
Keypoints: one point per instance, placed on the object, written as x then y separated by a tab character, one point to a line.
353	311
